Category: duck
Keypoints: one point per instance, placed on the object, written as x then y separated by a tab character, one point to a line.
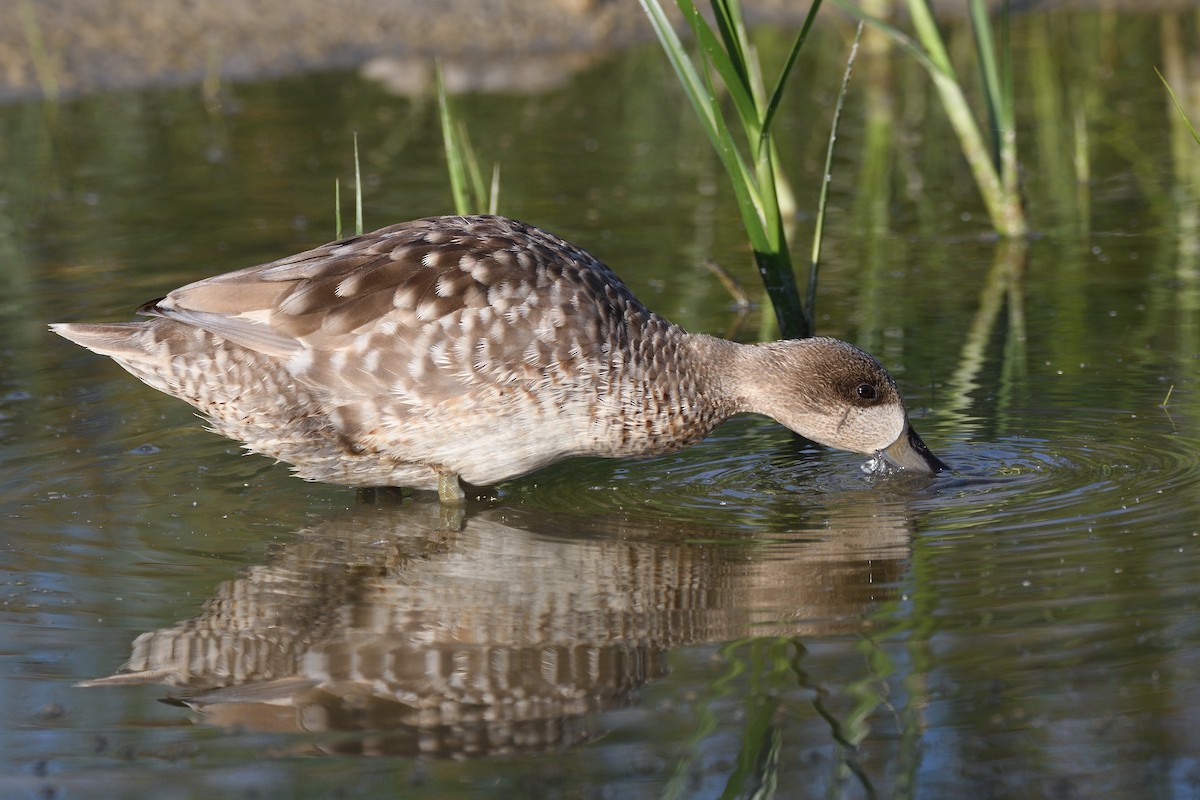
473	350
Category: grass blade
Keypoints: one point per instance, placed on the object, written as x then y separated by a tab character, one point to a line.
470	194
929	36
702	98
337	209
777	93
996	176
358	205
726	54
695	88
493	206
728	14
467	156
454	159
729	64
1178	106
990	75
897	36
811	295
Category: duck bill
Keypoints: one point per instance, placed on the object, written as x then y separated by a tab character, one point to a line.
909	452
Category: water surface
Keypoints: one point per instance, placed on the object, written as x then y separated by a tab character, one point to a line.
753	613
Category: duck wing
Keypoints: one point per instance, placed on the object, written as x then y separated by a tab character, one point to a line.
444	303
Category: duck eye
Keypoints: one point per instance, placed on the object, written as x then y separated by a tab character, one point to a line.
866	391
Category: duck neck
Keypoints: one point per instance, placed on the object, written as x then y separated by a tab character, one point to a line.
727	369
673	393
746	378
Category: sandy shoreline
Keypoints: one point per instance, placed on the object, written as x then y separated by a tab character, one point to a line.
79	46
67	47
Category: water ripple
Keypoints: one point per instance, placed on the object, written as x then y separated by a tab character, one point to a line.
1096	467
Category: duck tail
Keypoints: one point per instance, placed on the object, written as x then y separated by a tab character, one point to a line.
123	341
141	348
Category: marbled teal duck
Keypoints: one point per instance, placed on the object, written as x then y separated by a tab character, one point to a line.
477	348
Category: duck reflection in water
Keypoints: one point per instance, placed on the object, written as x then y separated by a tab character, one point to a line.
506	635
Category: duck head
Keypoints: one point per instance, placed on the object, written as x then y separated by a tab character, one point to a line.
837	395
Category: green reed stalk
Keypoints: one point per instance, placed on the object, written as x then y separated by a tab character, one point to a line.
1179	107
750	161
810	304
994	168
337	209
358	202
466	179
358	205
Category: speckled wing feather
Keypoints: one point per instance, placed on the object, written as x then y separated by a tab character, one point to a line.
433	306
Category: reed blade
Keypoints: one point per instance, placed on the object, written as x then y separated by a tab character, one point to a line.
1178	106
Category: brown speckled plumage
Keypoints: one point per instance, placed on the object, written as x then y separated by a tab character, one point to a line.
471	346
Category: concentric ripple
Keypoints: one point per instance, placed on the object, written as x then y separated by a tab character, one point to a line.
1095	467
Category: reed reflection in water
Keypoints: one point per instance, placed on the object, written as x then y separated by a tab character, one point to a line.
500	632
